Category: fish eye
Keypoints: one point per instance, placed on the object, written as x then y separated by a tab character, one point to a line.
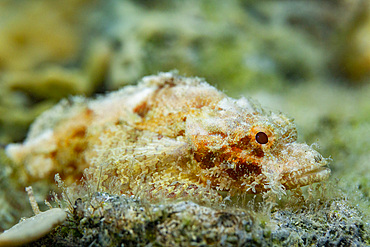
261	138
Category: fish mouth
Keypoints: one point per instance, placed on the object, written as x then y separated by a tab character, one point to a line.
303	178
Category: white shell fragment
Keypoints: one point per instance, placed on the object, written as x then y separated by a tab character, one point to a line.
33	228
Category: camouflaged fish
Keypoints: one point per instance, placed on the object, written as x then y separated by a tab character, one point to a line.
170	136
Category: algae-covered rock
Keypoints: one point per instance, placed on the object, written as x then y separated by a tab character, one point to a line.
110	220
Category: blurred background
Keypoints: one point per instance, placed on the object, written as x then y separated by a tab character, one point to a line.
308	58
50	50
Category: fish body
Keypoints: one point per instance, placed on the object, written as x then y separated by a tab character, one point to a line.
170	136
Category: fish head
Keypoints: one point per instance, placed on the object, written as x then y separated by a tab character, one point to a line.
239	147
284	162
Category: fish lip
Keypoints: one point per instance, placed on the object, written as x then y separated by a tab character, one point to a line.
306	177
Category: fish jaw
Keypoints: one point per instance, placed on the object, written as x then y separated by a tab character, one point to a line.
302	165
310	177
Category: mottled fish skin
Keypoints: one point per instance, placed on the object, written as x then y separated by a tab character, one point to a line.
171	136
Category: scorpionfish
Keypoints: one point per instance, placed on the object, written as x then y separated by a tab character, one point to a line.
170	136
